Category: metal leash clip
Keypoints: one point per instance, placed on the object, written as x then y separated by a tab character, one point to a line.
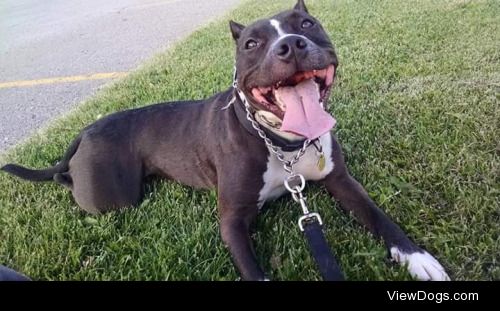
295	184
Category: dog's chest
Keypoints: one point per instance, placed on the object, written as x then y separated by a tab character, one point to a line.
307	166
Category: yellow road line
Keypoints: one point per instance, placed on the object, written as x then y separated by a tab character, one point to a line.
95	76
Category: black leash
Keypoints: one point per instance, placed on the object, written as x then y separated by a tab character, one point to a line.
312	226
321	252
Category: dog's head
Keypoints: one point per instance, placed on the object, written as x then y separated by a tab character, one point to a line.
285	67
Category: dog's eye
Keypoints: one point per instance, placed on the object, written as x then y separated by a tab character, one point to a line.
250	44
307	24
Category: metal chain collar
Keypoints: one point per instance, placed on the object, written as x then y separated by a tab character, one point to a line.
287	164
295	183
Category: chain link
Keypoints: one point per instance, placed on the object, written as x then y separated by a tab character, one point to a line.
287	164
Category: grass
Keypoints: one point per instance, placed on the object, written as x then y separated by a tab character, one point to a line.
417	101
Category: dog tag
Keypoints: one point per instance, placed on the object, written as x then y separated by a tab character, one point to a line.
321	162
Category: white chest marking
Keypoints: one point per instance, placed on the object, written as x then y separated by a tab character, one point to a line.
275	175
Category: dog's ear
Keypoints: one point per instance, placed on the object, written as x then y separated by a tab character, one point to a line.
236	29
301	6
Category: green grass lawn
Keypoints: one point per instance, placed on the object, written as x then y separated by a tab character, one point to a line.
417	104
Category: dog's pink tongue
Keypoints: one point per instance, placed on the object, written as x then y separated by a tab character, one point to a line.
304	115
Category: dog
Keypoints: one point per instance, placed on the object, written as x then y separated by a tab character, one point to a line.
285	68
7	274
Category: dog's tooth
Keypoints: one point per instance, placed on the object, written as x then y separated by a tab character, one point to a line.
279	102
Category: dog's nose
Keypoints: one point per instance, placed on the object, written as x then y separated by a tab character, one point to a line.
289	47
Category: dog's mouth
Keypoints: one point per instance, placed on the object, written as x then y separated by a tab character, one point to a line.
297	102
270	99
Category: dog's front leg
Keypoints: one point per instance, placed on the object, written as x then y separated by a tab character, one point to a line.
354	198
236	214
235	224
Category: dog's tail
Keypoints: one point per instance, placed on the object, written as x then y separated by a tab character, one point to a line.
44	174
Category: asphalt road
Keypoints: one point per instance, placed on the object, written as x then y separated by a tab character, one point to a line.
68	38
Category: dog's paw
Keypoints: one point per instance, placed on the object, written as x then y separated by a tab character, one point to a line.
421	265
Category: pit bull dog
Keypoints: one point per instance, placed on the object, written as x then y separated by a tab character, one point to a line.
285	68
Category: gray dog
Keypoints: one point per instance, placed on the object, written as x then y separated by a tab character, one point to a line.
285	67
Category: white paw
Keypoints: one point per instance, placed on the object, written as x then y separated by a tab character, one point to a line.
420	265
